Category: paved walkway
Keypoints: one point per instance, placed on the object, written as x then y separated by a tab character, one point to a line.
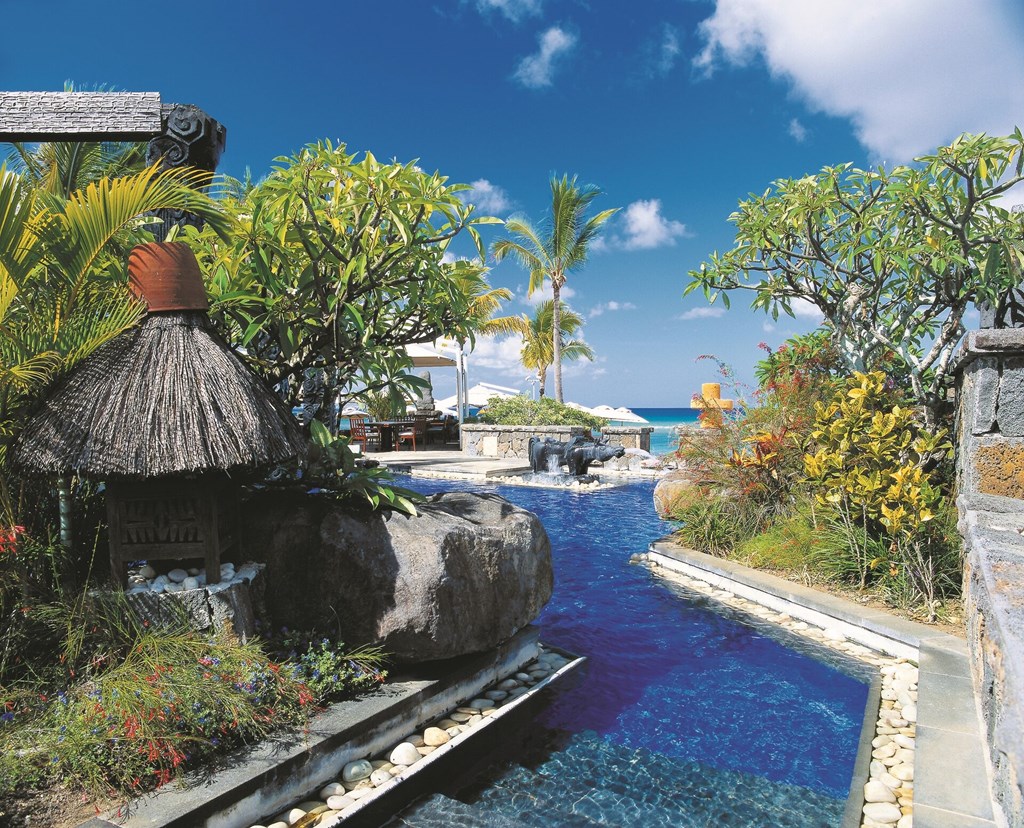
447	461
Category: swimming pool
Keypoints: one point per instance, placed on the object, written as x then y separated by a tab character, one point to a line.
690	714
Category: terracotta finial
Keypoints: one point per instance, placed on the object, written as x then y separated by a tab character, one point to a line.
166	275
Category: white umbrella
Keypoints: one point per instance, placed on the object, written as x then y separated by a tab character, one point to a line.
479	394
579	407
621	414
423	356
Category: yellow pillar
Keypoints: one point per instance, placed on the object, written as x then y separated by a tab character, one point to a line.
711	400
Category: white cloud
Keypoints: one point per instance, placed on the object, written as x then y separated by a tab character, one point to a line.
513	10
610	307
803	309
488	197
661	53
767	327
501	355
797	131
544	294
886	66
646	228
701	313
536	71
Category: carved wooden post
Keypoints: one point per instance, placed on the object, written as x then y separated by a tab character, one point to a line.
190	138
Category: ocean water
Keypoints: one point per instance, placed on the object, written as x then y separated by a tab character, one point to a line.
690	715
665	420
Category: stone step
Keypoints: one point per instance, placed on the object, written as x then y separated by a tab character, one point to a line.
439	811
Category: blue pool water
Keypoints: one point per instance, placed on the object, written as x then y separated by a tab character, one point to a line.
690	714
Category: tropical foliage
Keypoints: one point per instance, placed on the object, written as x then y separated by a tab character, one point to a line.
555	249
875	467
537	331
854	491
545	411
338	262
893	258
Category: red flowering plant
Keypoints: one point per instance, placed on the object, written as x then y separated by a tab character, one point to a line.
748	461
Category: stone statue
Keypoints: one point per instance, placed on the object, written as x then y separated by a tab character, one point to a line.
425	405
577	454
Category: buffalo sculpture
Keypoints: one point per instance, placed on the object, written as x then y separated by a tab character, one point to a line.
576	454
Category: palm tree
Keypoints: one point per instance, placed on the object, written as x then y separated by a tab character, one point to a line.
65	167
538	339
556	249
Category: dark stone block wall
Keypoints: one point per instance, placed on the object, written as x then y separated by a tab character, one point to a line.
990	475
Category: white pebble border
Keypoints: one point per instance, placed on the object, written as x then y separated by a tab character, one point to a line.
145	578
357	780
889	792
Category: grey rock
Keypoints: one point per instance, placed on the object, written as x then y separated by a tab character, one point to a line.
467	573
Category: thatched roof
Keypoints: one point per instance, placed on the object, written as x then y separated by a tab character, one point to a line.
166	397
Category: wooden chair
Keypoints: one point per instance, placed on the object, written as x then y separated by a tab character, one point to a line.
437	427
367	436
411	429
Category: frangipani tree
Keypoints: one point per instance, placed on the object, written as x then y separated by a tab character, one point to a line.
892	258
340	262
555	249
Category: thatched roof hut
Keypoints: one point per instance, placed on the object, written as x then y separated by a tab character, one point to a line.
167	397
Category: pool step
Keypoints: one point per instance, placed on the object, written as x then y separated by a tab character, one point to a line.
439	811
594	782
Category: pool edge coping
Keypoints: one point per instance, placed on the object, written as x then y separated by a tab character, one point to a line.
894	636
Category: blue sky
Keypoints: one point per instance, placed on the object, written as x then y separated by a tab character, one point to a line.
674	108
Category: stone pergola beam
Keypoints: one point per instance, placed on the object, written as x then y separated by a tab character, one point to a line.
80	116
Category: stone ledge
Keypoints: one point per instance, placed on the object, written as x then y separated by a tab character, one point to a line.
987	342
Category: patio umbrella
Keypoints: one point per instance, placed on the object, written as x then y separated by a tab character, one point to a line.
479	394
621	414
423	356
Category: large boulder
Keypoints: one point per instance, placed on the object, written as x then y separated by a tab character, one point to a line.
464	575
674	490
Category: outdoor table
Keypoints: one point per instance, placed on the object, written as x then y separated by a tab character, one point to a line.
388	432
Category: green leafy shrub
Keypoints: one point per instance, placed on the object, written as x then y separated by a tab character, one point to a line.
716	523
794	543
522	411
874	466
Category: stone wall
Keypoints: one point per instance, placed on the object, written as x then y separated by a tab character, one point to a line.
512	442
990	474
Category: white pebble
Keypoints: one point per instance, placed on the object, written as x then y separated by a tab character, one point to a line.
404	754
177	575
357	770
332	789
876	791
882	811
